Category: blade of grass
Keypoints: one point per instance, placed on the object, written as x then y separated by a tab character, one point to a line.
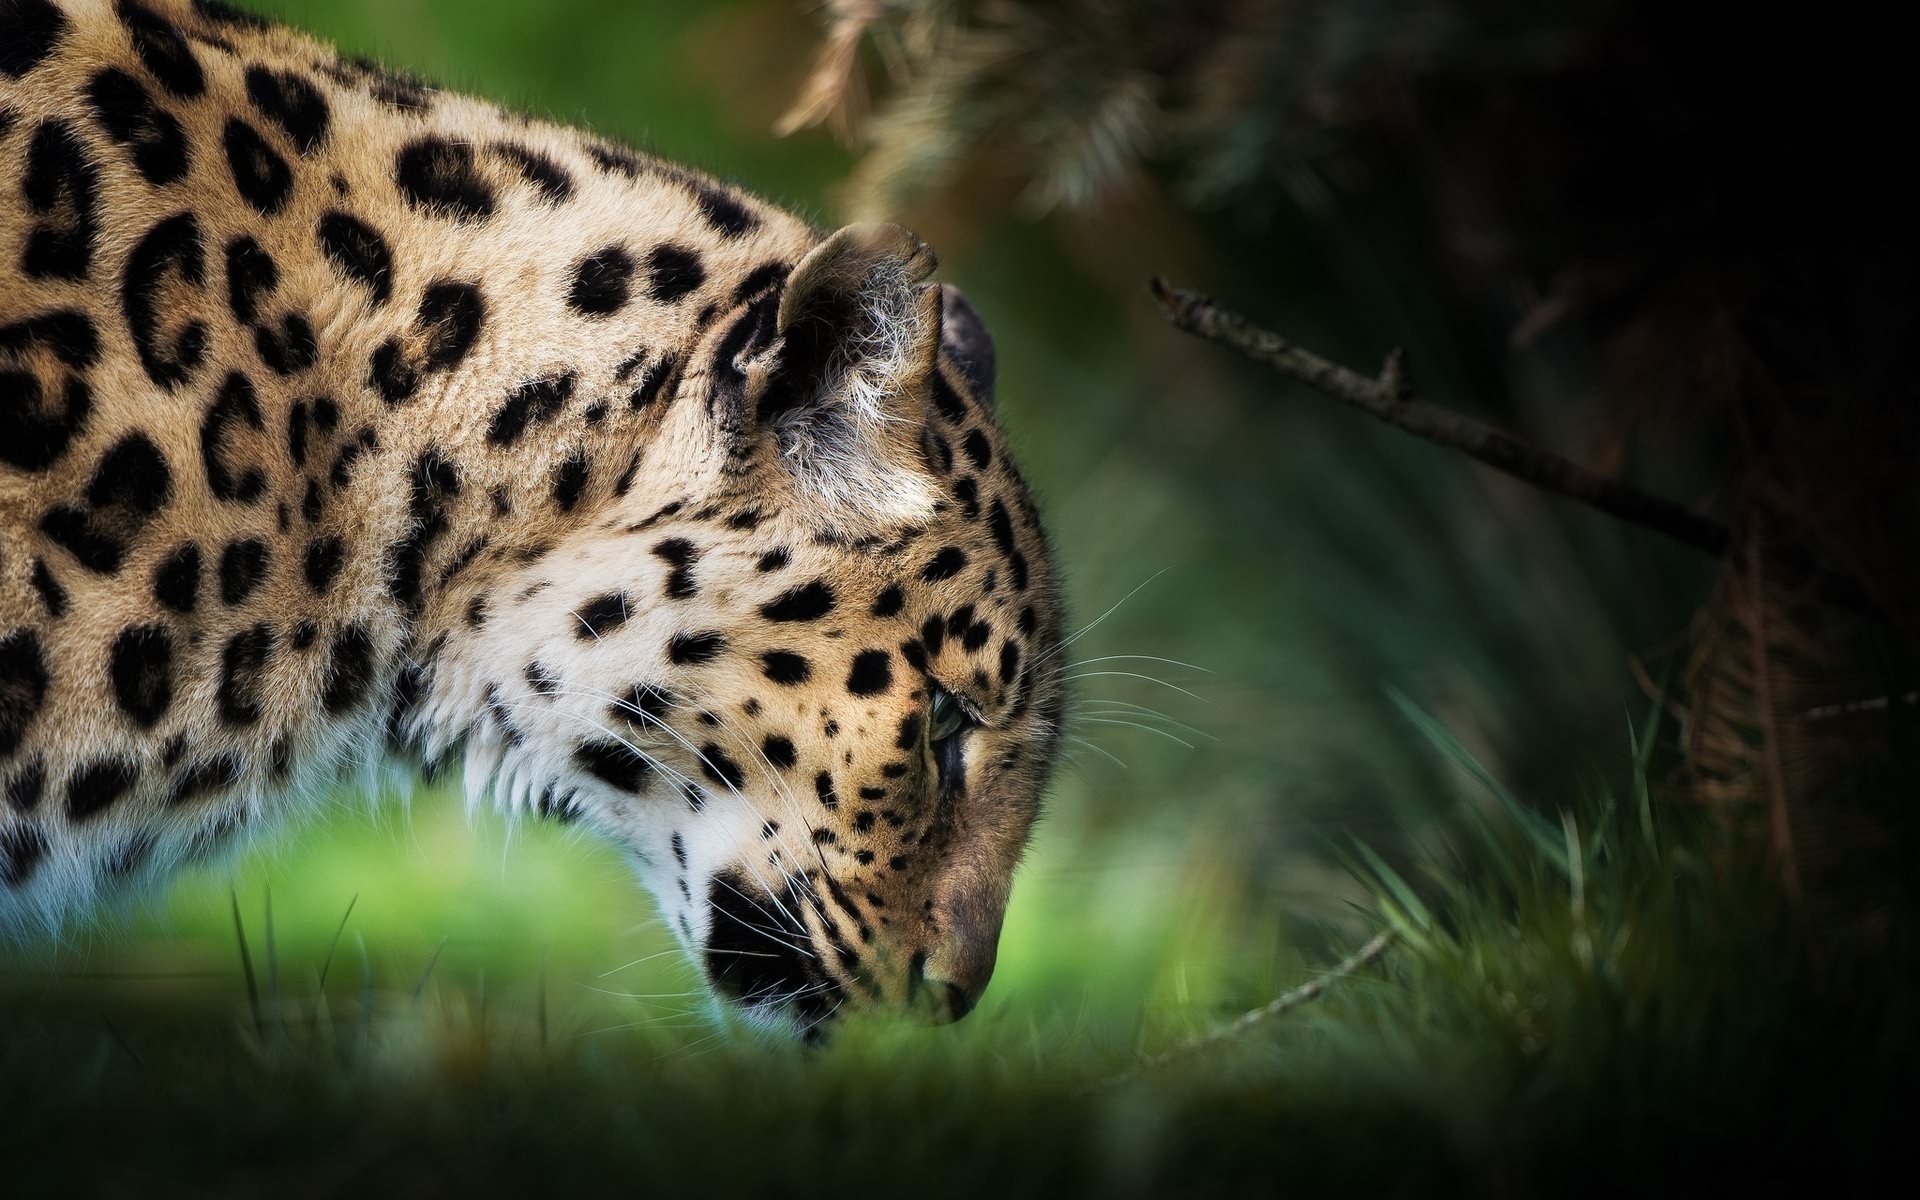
273	962
246	962
366	991
1538	829
433	960
333	945
1643	760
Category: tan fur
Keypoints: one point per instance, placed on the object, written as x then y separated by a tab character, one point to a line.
811	429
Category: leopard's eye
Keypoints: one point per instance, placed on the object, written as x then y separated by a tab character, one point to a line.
945	716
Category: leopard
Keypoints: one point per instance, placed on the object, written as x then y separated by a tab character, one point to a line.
350	426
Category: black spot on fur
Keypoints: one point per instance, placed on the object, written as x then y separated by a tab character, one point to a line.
600	615
358	251
570	480
950	561
760	279
909	738
225	14
297	433
654	381
809	602
728	216
823	788
477	612
130	856
673	272
243	667
721	769
93	787
914	653
341	473
532	403
977	449
290	349
53	597
261	175
162	50
176	581
772	560
694	649
303	635
602	282
91	545
140	667
785	667
24	788
62	186
395	89
236	407
680	554
291	102
325	555
34	432
554	184
131	484
23	844
391	374
872	673
540	679
960	620
251	274
968	493
130	117
447	324
349	670
171	248
952	408
435	483
643	704
779	751
203	778
132	475
243	565
29	32
976	636
1009	661
437	175
451	314
889	602
23	687
614	763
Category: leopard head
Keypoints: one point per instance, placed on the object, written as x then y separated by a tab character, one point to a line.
811	679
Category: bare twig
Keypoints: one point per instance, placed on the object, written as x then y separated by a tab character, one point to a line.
1365	956
1857	708
1390	398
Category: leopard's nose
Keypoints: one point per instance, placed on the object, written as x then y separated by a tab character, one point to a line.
938	999
951	975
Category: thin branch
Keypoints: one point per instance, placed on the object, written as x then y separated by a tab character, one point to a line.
1390	397
1280	1005
1856	708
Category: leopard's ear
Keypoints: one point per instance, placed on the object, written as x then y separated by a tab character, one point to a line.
967	344
857	333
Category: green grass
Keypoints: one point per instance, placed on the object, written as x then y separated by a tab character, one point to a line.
1592	998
